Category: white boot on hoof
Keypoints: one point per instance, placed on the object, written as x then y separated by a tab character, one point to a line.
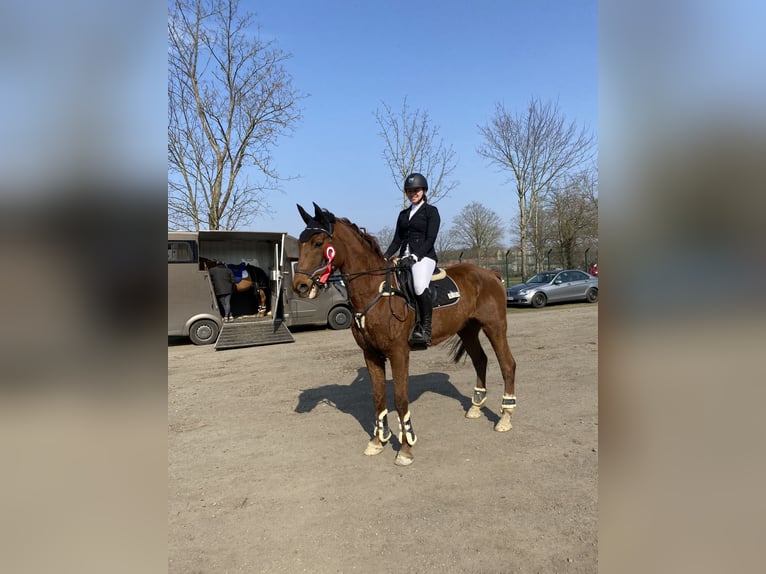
504	424
403	459
473	413
373	448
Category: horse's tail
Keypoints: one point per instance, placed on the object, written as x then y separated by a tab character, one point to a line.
457	349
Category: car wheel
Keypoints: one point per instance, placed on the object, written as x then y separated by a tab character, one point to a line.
203	332
339	318
539	300
591	296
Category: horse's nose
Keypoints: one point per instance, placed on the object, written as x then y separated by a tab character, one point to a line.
301	288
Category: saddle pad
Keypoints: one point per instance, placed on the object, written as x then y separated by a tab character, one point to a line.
444	292
238	271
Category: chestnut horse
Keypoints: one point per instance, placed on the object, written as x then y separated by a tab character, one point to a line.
382	323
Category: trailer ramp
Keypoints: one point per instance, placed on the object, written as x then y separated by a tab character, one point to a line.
252	333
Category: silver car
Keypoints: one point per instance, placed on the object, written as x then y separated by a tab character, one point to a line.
554	287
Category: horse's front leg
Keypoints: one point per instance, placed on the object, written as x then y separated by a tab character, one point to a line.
400	367
376	367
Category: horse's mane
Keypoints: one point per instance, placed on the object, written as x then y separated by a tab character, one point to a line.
371	240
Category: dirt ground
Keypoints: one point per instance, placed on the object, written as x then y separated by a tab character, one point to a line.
266	471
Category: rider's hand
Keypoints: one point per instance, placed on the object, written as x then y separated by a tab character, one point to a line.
405	261
394	260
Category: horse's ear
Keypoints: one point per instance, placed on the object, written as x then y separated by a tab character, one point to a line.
323	215
306	217
318	213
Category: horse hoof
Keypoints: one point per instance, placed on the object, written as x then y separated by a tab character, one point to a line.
504	424
473	413
403	459
373	449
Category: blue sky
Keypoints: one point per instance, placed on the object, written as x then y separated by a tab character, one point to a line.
453	59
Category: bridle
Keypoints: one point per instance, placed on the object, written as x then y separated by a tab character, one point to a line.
321	273
322	222
326	267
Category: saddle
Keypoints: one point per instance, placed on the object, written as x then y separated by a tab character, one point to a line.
444	291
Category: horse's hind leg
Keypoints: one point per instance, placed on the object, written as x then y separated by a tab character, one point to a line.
496	333
261	293
469	335
376	367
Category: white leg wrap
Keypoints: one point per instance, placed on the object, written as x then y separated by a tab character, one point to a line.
381	427
508	403
405	428
479	397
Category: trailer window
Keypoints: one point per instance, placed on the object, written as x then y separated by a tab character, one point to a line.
181	252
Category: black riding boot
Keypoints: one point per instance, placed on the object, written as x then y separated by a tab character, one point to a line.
426	310
421	334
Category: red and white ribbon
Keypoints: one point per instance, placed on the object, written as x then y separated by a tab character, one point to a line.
329	254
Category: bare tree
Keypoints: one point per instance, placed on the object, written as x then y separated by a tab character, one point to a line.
572	214
229	98
385	236
413	145
477	228
537	231
538	147
445	242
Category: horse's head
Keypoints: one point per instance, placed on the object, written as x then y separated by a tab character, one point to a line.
317	256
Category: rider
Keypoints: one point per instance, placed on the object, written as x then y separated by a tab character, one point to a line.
415	235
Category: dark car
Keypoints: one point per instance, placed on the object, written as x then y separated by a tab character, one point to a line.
554	287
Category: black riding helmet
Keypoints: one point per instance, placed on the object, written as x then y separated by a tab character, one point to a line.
415	181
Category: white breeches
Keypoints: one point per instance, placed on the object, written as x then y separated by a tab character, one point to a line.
421	274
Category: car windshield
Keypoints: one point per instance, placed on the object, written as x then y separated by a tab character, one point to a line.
541	278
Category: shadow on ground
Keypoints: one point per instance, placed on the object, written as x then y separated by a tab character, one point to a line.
355	399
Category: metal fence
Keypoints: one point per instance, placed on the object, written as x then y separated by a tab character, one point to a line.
508	263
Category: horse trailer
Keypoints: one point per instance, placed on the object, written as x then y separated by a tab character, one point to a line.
261	315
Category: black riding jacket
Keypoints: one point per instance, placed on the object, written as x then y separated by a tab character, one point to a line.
420	232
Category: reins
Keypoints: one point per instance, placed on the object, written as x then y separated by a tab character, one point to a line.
352	276
359	317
